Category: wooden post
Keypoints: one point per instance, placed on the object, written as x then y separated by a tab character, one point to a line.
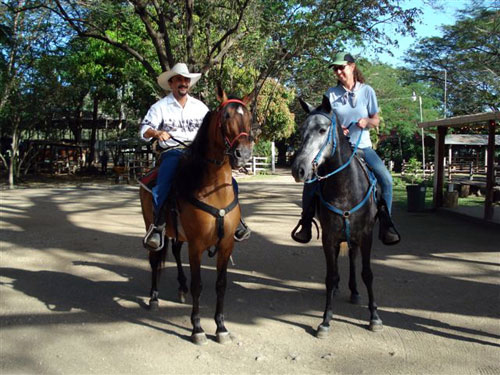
273	157
490	172
438	160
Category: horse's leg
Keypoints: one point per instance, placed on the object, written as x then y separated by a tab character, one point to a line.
198	335
156	258
221	333
355	299
331	250
181	278
367	275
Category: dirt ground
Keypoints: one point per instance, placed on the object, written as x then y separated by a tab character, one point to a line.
74	284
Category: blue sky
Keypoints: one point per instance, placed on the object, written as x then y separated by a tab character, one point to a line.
429	25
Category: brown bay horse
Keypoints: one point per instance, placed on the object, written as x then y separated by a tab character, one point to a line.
207	206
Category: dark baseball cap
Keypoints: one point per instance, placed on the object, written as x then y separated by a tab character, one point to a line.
342	58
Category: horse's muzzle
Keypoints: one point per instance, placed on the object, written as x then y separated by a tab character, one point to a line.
301	170
240	155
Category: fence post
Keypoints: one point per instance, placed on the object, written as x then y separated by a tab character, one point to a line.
254	165
273	156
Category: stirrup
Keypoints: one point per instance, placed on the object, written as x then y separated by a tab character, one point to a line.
245	229
299	225
153	228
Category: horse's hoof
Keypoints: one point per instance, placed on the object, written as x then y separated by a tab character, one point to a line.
223	338
153	305
376	325
322	332
199	338
355	299
182	296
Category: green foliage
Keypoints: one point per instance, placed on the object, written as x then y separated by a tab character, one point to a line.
469	52
412	169
262	148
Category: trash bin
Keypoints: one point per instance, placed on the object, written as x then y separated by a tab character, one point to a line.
415	197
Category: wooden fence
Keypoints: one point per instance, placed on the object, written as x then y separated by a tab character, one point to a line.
260	164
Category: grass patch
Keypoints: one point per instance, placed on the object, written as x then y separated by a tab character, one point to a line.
400	198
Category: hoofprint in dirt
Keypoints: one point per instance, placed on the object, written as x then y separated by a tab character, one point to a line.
74	284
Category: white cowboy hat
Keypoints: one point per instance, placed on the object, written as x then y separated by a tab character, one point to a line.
178	69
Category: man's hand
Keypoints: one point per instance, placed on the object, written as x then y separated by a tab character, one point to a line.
345	130
162	135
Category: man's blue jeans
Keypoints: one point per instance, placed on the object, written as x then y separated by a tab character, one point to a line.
169	161
383	175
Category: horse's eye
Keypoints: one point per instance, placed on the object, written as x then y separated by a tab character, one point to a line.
322	131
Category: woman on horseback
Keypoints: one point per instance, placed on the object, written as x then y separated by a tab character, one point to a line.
354	104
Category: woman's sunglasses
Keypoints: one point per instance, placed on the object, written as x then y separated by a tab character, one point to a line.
339	67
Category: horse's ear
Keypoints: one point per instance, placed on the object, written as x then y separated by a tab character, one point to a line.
326	105
247	99
221	94
306	106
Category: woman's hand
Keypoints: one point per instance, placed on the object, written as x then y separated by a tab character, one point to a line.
345	130
363	123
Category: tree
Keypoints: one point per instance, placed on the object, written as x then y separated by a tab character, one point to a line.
274	37
398	136
27	32
469	52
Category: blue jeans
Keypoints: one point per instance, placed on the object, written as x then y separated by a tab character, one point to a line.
383	175
169	161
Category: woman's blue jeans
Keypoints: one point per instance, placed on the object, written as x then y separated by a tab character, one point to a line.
383	175
169	161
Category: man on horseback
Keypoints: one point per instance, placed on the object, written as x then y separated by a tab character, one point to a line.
177	116
354	104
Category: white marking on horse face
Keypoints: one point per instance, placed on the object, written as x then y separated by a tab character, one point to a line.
240	110
312	142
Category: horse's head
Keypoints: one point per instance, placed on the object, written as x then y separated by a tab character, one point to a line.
315	131
235	122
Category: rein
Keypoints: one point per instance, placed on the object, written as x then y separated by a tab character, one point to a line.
332	133
371	177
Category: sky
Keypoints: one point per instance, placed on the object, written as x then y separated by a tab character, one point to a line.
429	26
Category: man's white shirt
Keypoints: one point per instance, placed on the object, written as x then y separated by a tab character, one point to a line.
181	123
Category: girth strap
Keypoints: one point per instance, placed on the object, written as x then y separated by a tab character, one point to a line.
219	214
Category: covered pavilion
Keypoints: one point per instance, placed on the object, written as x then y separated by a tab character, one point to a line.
490	119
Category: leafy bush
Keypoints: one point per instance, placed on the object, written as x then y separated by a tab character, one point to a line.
412	172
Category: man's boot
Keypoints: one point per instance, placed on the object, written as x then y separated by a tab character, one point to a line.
154	239
242	232
388	233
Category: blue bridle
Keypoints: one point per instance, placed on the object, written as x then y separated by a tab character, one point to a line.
332	138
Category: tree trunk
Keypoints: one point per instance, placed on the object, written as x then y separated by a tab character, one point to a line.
15	152
93	135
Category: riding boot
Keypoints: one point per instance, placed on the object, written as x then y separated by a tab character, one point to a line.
154	239
388	233
304	235
242	232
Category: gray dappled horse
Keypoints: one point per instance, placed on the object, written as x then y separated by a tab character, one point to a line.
347	210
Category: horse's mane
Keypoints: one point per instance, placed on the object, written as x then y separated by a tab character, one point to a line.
192	165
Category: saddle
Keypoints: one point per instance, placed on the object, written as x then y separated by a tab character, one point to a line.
148	182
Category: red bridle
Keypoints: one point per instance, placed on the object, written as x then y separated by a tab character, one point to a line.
229	144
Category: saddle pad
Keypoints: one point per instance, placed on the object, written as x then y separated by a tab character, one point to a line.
148	181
